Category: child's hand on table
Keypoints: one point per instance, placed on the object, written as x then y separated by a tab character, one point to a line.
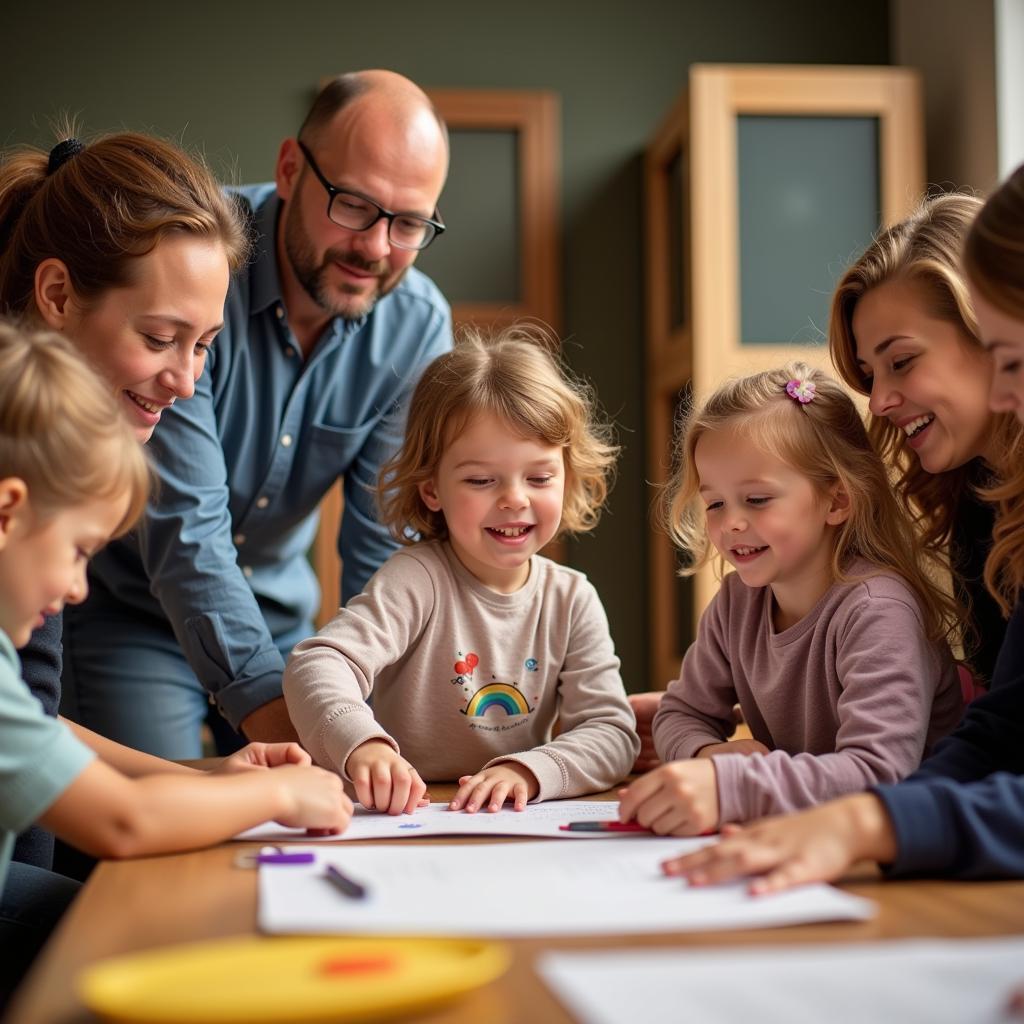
816	845
318	800
677	799
493	786
384	780
746	747
263	755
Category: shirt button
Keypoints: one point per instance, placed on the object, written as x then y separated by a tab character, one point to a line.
280	312
247	571
262	502
286	440
239	539
289	352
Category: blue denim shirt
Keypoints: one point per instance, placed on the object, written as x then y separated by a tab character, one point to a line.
243	464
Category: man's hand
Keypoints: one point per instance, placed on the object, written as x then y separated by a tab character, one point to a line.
645	706
270	724
384	780
677	799
816	845
493	786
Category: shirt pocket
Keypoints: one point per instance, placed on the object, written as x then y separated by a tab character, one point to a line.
339	445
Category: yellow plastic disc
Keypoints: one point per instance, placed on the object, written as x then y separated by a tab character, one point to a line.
293	980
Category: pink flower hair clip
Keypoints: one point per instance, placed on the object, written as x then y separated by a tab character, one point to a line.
802	391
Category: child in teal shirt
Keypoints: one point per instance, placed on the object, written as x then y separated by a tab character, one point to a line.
72	475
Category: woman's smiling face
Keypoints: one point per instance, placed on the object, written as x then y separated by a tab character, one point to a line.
926	375
149	339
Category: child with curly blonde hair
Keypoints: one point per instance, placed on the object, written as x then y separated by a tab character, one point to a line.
471	642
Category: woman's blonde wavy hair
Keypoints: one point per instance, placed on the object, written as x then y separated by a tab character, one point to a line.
993	259
924	248
61	431
825	441
517	376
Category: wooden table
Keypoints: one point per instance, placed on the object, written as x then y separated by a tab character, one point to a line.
158	901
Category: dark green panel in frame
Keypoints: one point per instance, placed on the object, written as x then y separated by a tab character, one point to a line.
809	201
477	259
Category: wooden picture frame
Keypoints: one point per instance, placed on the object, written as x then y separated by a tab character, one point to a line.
533	116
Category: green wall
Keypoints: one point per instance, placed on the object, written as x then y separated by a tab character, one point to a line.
234	78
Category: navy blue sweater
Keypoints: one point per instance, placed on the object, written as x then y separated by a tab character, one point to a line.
961	814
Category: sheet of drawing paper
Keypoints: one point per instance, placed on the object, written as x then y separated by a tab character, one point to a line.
529	888
436	820
933	981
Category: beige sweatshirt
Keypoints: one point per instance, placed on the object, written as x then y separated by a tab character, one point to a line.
463	677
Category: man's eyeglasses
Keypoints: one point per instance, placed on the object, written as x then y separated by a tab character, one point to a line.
356	212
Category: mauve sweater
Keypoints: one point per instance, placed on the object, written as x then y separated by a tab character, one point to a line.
851	696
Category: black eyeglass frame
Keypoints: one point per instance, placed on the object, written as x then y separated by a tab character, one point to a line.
382	212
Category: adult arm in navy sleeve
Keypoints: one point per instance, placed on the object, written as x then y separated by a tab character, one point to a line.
958	830
991	736
962	813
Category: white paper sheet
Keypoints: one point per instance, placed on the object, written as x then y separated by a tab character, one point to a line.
525	889
931	982
436	820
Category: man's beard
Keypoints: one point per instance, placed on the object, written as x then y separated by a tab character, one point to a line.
312	275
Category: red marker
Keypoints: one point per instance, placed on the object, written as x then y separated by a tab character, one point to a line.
604	826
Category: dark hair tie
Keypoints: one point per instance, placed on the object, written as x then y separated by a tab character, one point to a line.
62	153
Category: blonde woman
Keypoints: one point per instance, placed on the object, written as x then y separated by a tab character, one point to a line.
962	814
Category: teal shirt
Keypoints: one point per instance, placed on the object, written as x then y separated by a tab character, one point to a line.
39	756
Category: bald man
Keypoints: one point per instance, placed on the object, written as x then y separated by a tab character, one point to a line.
326	332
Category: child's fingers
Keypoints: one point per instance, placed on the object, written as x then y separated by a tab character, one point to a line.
521	796
416	790
661	807
634	795
274	754
401	787
666	817
496	800
480	787
362	787
687	864
462	793
380	780
788	874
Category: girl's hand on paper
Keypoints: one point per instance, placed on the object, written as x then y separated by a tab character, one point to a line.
384	780
816	845
677	799
493	786
745	747
263	755
317	799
